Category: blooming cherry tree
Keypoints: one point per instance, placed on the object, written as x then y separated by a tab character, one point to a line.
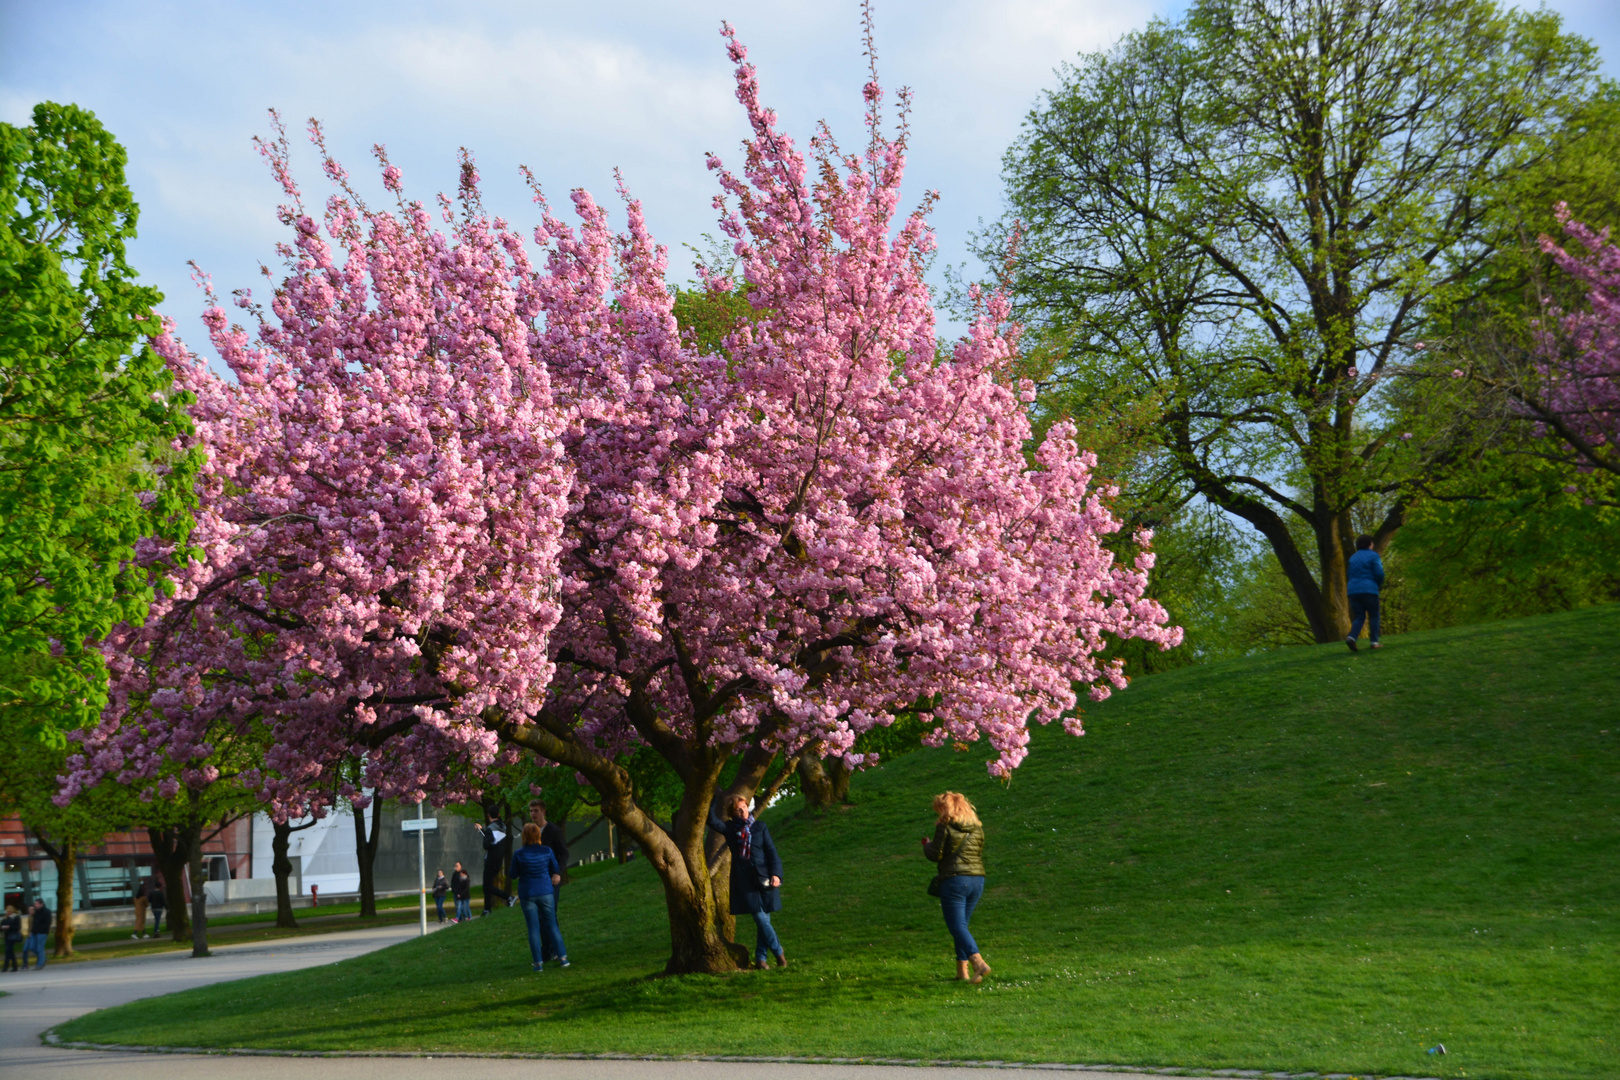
784	545
459	506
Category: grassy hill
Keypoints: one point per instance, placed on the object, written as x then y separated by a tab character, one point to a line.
1307	860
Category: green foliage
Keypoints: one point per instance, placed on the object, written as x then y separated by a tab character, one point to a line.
1516	535
709	316
1308	860
86	418
1236	226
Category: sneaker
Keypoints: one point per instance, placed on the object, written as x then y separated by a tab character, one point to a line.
1376	645
1350	641
539	967
134	937
564	962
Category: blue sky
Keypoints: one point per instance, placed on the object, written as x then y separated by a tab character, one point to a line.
571	89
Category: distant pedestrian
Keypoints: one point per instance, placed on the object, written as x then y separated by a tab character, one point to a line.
441	885
11	930
461	890
537	873
496	845
756	875
39	925
140	909
155	897
553	837
1363	578
958	847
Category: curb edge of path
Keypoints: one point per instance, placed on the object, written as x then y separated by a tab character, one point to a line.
50	1038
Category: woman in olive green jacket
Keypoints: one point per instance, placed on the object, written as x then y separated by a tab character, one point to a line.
958	847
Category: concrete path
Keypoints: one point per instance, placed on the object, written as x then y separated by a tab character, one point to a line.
37	1001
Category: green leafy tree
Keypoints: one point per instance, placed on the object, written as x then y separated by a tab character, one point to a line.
1239	223
86	416
28	787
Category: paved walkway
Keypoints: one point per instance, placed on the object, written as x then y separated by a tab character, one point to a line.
37	1001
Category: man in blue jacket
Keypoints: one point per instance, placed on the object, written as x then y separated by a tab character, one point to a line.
1362	582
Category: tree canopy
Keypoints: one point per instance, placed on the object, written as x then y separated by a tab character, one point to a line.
87	417
1242	222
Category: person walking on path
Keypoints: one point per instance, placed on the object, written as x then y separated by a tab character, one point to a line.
140	910
537	873
441	885
496	844
11	930
461	889
156	900
39	925
958	847
756	874
1364	578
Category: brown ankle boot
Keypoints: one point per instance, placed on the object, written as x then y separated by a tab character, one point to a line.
980	968
962	970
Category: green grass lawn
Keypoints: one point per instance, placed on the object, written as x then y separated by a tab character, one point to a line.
1307	860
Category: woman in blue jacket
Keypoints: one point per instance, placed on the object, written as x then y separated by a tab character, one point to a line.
1364	576
537	873
756	874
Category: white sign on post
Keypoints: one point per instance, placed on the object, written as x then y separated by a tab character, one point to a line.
419	824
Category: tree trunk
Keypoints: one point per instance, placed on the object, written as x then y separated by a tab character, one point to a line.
677	854
281	866
170	848
365	850
1333	545
199	895
67	861
819	792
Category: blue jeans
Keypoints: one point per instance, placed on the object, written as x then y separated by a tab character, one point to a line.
958	896
36	945
765	943
1364	606
438	901
545	939
463	908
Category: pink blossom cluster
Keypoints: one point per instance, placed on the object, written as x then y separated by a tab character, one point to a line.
1581	375
380	513
452	489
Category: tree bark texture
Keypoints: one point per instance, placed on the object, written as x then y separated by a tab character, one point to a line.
173	853
365	850
199	894
65	857
281	866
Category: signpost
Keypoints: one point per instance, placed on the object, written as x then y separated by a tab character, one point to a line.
421	827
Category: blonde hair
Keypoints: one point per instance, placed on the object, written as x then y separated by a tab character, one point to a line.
531	833
954	807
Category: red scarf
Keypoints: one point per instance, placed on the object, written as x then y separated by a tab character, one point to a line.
747	837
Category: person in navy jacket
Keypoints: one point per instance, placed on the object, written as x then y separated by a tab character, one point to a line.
756	874
1364	576
537	873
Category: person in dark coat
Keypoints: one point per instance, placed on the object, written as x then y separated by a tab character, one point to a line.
441	886
461	889
537	873
497	844
958	847
11	930
158	903
552	836
756	874
39	925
